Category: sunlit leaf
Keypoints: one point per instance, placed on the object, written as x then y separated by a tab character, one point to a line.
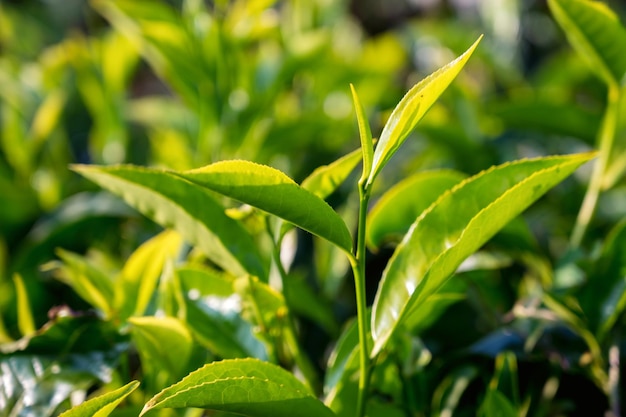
412	108
244	386
102	405
457	225
324	180
365	134
89	282
274	192
142	270
596	33
163	344
191	210
25	319
397	209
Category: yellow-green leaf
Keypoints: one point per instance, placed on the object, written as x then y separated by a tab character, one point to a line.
454	227
175	202
249	387
163	343
142	270
365	134
274	192
398	208
596	33
102	405
412	108
25	320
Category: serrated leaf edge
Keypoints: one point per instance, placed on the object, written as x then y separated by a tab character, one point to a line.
389	332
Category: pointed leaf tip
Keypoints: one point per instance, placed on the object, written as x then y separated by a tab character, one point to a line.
413	106
272	191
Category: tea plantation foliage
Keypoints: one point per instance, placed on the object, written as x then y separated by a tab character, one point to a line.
312	208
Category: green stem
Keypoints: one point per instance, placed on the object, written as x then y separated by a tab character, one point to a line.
358	268
606	137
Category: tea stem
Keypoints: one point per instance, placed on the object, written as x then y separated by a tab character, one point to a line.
606	138
358	268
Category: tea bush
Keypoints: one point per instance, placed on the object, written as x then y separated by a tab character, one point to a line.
205	209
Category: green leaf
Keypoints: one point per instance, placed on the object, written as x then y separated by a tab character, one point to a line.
142	270
453	228
102	405
163	343
47	381
505	378
272	191
448	394
412	108
596	34
324	180
89	282
244	386
497	405
174	202
25	320
398	208
365	133
603	298
213	312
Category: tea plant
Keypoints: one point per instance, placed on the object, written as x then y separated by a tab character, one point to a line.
448	231
209	305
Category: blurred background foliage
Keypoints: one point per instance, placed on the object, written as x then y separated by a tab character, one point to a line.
183	83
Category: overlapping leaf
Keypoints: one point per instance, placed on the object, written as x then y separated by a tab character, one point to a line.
274	192
398	208
163	343
248	387
596	33
324	180
191	210
142	270
102	405
454	227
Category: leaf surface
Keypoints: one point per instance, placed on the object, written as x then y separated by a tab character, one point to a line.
412	108
174	202
453	228
596	33
142	270
162	343
272	191
25	319
213	312
244	386
324	180
102	405
89	282
398	208
365	134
